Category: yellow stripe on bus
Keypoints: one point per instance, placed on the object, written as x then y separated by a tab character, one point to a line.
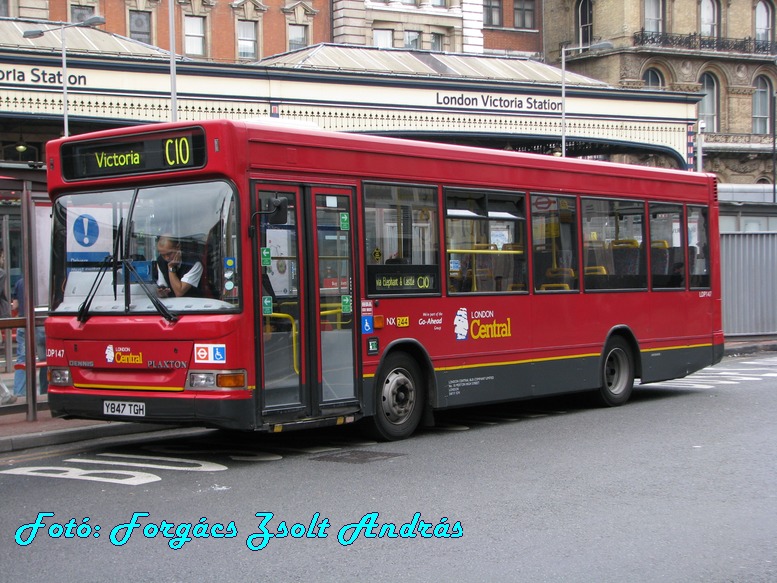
130	388
551	358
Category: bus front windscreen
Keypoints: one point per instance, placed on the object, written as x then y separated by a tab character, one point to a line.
167	249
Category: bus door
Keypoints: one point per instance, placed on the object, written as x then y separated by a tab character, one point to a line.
306	267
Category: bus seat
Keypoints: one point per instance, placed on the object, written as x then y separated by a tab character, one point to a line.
596	270
484	267
555	272
624	243
659	260
555	286
660	244
514	266
626	260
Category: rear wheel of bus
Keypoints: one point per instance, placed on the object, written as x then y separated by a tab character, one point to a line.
617	373
399	398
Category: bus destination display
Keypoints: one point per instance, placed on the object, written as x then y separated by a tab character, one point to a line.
160	152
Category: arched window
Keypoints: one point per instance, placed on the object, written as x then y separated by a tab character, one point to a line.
763	21
708	106
654	16
585	23
710	16
762	105
653	79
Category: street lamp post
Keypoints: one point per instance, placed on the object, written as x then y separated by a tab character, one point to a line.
39	32
773	121
700	145
596	46
173	90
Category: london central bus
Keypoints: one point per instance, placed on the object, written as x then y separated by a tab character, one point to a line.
335	278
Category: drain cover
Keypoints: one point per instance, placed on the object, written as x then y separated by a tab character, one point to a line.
357	456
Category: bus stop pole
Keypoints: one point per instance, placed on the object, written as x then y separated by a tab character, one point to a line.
28	273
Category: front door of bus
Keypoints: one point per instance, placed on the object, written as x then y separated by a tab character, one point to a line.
307	317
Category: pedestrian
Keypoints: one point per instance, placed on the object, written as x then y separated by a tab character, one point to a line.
20	373
6	396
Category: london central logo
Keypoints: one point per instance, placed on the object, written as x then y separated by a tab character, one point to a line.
461	324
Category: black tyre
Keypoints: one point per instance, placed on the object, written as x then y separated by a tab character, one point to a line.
399	399
617	373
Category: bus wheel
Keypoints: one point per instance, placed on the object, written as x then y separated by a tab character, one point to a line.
399	399
617	373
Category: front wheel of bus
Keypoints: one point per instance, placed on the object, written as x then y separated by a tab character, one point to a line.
399	396
617	373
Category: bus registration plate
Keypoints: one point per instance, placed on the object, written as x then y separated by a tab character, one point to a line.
124	408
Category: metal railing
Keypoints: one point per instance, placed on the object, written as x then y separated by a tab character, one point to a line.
698	42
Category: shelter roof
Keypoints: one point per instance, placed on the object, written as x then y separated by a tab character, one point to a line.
373	60
79	39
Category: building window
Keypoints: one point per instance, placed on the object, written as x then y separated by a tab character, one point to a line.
654	16
492	12
762	105
194	29
246	39
412	39
524	13
438	42
383	38
438	3
298	36
140	26
709	18
653	79
4	8
81	13
410	2
708	106
763	21
585	23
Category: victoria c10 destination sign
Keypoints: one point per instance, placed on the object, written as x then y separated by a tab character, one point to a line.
142	154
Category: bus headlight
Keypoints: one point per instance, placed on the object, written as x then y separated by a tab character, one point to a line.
209	380
60	377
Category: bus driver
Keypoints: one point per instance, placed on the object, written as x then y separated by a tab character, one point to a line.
179	274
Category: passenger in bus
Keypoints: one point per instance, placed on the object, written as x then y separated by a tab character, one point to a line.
179	274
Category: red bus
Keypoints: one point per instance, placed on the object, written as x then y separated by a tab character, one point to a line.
335	277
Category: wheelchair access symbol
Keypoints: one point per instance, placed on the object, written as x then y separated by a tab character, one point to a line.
210	353
368	326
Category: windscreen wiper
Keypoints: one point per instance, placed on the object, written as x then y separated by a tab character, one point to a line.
83	309
150	293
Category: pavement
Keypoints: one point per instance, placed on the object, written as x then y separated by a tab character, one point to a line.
18	433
